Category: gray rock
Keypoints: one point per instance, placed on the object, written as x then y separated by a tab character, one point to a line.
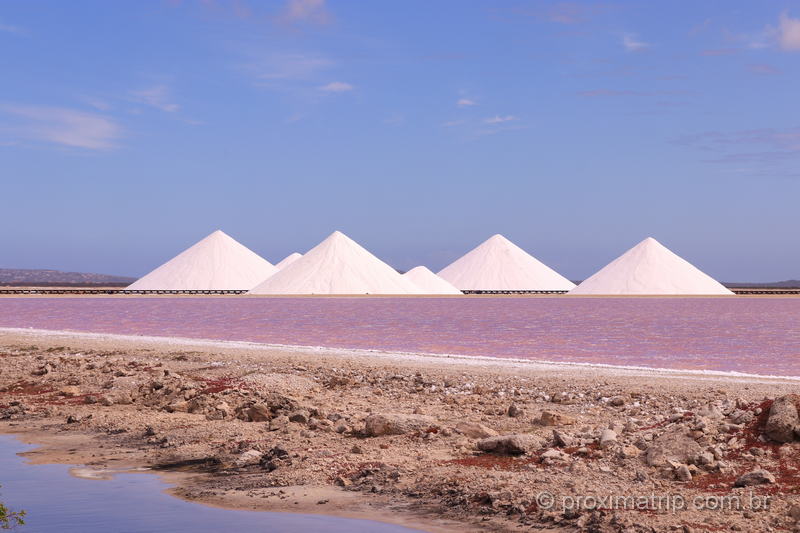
674	446
514	411
278	423
396	424
562	439
756	477
683	473
516	444
616	401
250	457
608	438
553	454
794	512
783	420
300	416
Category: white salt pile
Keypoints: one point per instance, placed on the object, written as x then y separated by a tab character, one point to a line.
217	262
429	282
650	268
337	265
499	264
288	260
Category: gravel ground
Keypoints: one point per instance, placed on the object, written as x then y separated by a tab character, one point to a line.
442	444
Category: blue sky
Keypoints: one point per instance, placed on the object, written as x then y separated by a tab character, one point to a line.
130	130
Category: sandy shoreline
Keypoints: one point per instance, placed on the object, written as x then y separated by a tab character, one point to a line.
389	436
551	367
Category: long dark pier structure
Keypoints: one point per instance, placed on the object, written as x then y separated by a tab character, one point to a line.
96	291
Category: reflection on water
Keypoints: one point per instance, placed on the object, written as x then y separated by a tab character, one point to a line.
756	335
135	503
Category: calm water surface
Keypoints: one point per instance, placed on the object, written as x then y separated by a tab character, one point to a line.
755	335
135	503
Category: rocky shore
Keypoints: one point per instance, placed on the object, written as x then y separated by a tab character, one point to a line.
437	444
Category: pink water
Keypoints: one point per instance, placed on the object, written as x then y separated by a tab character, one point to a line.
754	335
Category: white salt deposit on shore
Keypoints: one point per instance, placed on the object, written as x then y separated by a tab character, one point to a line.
650	268
217	262
288	260
429	282
338	265
499	264
551	367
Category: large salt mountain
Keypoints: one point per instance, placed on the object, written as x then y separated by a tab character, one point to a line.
288	260
217	262
650	268
337	265
500	265
429	282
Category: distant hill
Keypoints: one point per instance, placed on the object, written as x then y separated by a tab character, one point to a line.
20	277
788	284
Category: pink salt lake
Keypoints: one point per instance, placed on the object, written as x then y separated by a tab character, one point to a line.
743	334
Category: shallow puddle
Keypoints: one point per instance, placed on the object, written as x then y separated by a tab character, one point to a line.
135	503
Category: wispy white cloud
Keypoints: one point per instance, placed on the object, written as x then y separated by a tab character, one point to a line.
337	87
306	11
98	103
453	123
59	125
715	52
466	102
631	43
767	151
157	97
560	12
763	68
789	32
497	119
8	28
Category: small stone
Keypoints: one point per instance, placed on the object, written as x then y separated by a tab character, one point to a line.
673	446
553	454
756	477
396	424
682	473
794	512
783	419
616	401
550	418
300	417
516	444
608	438
70	391
514	411
177	407
258	413
562	439
475	430
278	423
248	458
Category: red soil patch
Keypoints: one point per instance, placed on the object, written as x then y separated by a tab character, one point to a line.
213	386
26	388
787	472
